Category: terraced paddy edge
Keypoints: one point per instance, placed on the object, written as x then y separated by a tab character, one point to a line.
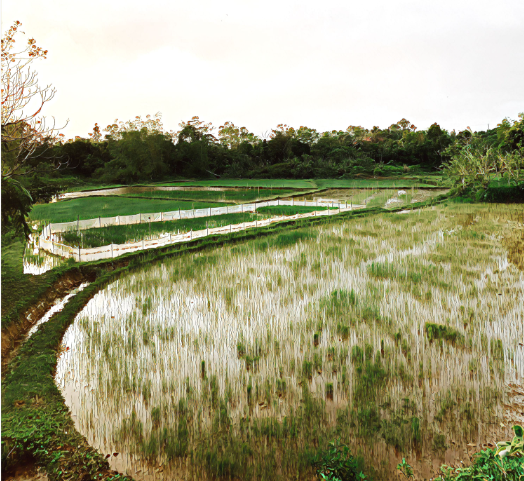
28	391
396	333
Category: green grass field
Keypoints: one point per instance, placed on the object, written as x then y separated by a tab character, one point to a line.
91	207
232	196
269	183
88	187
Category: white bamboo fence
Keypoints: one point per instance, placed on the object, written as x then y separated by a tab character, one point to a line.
47	237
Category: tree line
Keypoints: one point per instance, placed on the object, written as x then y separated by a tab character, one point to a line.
140	150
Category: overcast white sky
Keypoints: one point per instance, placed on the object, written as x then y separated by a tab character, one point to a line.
325	64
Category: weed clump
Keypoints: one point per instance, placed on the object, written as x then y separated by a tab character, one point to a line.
439	331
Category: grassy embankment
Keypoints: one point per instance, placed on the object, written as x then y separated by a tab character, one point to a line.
20	290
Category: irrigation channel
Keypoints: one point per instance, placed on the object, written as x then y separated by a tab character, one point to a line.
234	361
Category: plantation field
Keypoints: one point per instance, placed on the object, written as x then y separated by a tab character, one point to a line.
396	333
91	207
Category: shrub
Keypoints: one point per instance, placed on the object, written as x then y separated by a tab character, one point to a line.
337	464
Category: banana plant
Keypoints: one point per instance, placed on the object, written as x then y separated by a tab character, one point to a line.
515	447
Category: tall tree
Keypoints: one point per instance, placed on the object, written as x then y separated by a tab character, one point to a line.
24	132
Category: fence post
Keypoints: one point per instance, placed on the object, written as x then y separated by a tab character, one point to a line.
161	217
99	222
78	223
209	211
140	218
179	214
78	253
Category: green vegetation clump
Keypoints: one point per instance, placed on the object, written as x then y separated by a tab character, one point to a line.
439	331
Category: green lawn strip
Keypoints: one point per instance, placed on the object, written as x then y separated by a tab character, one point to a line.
269	183
108	206
21	290
120	234
232	196
35	420
94	187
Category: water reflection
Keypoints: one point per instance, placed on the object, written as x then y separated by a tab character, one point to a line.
37	261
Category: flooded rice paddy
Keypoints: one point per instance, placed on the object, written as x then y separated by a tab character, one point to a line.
398	335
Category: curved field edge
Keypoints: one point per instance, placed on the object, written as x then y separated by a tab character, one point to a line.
36	424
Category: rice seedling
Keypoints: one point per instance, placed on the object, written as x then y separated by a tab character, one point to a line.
239	363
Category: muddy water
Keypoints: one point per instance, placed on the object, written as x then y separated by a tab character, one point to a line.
57	307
